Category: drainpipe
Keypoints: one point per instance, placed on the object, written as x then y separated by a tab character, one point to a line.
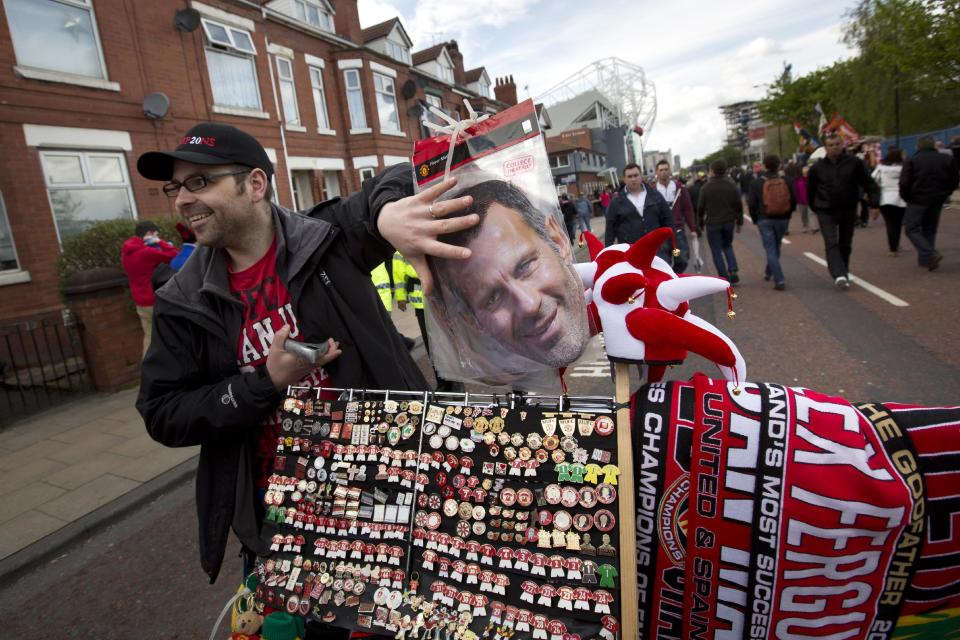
280	120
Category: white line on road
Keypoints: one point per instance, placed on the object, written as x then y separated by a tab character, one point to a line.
785	241
877	291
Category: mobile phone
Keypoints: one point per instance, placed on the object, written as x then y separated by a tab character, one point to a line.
309	351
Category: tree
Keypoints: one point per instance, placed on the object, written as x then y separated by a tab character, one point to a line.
731	154
908	50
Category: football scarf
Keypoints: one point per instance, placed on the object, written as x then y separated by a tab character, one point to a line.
780	512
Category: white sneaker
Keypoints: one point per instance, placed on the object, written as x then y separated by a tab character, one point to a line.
841	283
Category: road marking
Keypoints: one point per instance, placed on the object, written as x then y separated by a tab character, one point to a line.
877	291
785	241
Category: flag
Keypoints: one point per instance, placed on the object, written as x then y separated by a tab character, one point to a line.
823	119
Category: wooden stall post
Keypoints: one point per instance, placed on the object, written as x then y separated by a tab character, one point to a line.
628	513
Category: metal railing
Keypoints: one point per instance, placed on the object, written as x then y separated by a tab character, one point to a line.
41	365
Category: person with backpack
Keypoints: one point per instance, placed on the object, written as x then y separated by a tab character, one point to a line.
771	201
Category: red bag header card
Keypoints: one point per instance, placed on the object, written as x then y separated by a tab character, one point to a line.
496	133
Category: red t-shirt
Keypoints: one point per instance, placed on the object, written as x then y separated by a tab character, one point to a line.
267	307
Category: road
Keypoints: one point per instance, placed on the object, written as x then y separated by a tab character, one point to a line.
140	576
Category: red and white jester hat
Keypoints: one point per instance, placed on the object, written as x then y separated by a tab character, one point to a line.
643	308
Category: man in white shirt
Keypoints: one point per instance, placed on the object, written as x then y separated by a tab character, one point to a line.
677	196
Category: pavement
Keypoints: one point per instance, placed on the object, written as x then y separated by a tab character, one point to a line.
72	468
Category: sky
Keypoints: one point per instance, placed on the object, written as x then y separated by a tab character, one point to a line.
698	55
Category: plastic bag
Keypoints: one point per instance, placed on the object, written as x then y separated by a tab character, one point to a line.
513	314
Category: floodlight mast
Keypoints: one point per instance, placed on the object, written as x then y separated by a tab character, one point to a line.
624	84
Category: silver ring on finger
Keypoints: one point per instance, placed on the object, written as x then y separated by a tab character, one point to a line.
432	214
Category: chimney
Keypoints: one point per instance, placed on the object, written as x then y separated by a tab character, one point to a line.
346	20
459	76
506	90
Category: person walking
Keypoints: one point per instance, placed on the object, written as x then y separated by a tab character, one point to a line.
218	368
605	199
570	216
800	191
892	206
140	256
772	200
927	180
583	209
833	186
636	211
678	197
720	212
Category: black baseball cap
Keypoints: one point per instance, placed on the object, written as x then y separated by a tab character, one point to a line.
207	143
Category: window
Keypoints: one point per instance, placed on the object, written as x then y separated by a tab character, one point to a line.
8	253
398	52
313	14
429	116
86	187
288	92
386	103
446	72
230	60
366	173
302	189
558	161
358	119
319	100
485	90
58	35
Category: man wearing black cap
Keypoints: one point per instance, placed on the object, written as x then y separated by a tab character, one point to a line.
217	368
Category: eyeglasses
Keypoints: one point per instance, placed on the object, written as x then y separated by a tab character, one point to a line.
197	182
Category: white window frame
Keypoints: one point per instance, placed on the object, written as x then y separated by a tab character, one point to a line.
382	93
55	75
366	173
232	44
358	122
290	80
324	19
16	273
84	155
320	100
555	161
398	51
446	72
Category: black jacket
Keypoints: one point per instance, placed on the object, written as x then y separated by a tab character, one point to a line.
833	186
192	391
624	223
719	203
928	178
755	197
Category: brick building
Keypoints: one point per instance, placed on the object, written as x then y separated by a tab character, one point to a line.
82	80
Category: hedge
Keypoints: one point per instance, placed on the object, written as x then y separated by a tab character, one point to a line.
99	246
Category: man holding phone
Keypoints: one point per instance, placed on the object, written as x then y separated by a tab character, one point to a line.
260	278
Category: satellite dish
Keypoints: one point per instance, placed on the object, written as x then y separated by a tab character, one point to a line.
186	20
156	105
409	89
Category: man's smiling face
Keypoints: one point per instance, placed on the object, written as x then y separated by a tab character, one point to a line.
521	289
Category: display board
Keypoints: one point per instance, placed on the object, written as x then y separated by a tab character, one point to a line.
471	516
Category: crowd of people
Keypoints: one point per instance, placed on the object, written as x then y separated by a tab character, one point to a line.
832	196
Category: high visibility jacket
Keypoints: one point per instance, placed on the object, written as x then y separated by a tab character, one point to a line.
381	280
406	282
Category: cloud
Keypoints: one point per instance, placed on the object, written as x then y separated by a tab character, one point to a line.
759	47
699	55
376	11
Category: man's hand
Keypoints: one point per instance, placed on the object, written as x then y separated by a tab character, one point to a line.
402	304
413	224
285	368
874	213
